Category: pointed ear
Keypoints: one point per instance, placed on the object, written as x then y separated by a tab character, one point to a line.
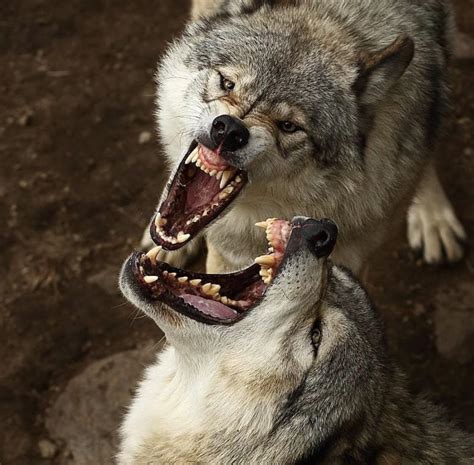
210	8
379	71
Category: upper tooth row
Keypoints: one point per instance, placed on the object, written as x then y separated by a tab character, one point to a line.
223	176
267	225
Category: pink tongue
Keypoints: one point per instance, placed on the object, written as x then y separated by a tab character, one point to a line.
201	191
210	307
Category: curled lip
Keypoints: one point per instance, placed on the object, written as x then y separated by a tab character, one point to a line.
224	299
214	299
203	186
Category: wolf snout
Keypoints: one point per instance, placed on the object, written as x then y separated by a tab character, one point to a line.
229	133
320	236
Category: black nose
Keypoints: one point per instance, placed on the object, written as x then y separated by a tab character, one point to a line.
229	132
320	235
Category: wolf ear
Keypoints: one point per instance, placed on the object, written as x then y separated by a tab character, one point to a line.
203	9
379	71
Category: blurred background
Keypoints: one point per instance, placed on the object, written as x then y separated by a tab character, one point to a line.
80	175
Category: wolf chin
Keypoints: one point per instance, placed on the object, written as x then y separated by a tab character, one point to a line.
301	377
331	108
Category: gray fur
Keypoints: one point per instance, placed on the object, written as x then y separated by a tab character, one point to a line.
371	123
260	392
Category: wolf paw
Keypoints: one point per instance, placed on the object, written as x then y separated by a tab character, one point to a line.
436	233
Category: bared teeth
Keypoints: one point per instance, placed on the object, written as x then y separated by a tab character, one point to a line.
211	289
182	237
193	156
183	279
150	279
265	272
225	192
153	253
268	260
225	178
195	282
159	221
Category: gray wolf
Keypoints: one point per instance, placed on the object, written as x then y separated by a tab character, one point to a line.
325	108
281	363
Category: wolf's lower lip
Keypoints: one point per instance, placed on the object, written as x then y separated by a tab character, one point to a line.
202	188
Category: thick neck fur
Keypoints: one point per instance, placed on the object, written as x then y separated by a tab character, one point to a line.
209	410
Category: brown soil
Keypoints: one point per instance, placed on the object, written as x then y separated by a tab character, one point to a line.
77	187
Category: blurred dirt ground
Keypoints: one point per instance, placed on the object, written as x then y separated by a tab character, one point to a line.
79	178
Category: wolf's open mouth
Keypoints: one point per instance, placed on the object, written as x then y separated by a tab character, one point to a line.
203	186
218	298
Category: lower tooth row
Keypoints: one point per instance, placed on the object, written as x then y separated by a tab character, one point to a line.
209	289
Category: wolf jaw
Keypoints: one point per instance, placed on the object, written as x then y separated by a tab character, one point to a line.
202	187
213	299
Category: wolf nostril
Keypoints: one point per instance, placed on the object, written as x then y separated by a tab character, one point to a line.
229	132
321	236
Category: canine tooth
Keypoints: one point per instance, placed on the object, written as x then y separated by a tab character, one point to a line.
151	254
182	237
150	279
268	260
225	178
183	279
219	175
195	282
261	224
191	156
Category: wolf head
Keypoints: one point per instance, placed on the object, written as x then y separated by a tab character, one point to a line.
254	96
285	359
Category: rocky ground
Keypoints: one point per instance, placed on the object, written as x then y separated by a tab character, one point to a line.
79	177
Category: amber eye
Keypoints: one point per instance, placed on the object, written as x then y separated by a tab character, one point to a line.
288	126
227	84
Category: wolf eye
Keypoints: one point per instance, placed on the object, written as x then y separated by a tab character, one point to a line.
227	84
316	335
288	126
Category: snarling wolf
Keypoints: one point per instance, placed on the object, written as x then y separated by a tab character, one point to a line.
281	363
321	108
